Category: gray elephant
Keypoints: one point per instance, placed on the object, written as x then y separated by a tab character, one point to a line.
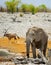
37	38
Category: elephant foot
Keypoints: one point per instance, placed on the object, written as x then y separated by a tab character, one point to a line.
39	56
27	55
34	57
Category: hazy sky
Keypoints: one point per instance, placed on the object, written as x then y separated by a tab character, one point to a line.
34	2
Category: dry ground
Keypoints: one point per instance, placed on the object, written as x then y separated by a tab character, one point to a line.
17	46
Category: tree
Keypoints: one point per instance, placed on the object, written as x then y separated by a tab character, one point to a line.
12	5
42	8
24	7
36	9
32	8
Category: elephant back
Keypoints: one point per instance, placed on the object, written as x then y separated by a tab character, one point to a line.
42	34
39	34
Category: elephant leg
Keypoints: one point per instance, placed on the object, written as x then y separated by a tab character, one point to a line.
41	49
38	54
44	51
33	50
27	49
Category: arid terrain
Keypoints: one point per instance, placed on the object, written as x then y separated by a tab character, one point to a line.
14	23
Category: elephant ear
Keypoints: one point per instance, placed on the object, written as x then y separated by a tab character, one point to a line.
38	35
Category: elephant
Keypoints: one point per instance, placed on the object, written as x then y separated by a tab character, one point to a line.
37	38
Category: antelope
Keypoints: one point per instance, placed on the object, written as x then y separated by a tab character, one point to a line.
10	36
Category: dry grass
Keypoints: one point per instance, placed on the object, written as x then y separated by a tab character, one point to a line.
13	45
17	46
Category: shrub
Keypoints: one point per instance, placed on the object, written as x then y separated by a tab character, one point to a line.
21	15
24	7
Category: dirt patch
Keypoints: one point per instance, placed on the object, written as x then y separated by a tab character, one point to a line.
17	46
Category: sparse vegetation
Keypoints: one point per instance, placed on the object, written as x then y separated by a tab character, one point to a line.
33	9
12	6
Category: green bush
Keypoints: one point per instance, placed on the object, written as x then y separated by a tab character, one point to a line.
11	5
